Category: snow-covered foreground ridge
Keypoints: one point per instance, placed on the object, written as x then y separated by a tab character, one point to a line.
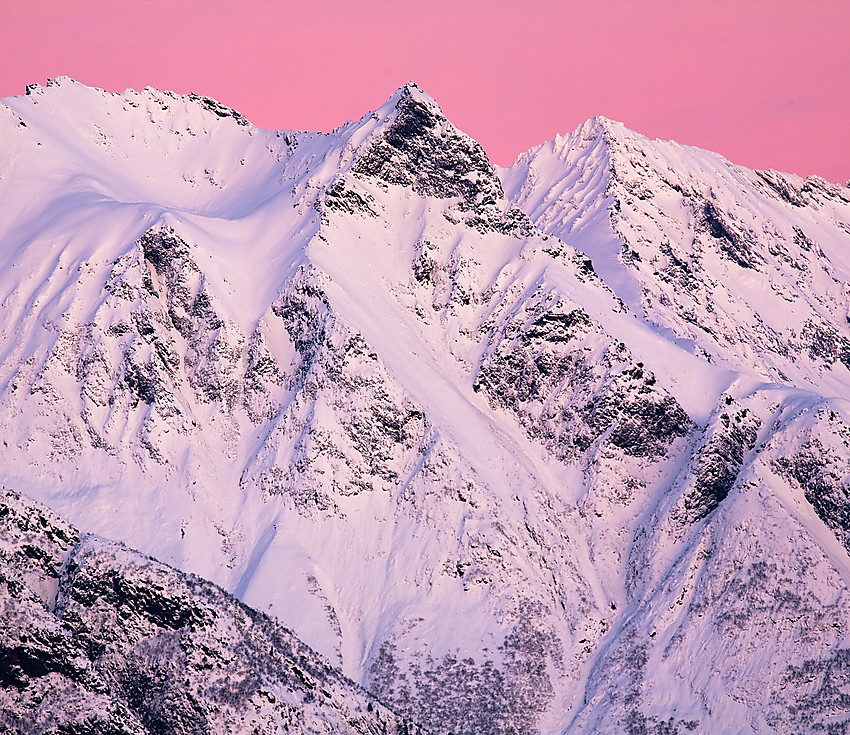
100	639
561	447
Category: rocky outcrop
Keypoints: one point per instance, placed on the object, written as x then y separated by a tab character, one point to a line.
719	460
820	466
571	386
422	150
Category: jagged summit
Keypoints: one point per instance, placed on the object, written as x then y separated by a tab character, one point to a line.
55	82
409	142
500	444
599	124
67	93
674	230
412	92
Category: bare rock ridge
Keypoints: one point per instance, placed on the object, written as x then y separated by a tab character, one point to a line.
554	448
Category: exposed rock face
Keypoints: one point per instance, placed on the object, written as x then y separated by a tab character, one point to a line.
554	448
818	462
719	461
100	639
571	385
423	150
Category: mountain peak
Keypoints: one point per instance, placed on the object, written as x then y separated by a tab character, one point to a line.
59	81
517	449
407	97
413	92
84	102
599	127
605	123
417	146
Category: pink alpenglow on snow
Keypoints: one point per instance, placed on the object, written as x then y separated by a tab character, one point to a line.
763	83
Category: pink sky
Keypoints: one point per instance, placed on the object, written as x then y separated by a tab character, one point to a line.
764	82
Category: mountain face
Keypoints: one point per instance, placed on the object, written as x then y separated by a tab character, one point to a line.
745	268
100	639
560	447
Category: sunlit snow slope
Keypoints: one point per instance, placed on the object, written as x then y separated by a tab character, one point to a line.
562	449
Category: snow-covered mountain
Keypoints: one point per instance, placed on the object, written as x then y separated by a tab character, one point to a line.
561	447
747	269
100	639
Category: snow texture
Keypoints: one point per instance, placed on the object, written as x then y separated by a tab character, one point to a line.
554	448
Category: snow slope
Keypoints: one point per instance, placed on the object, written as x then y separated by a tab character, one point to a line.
511	448
746	268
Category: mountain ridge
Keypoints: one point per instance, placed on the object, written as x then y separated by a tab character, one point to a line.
103	639
485	438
